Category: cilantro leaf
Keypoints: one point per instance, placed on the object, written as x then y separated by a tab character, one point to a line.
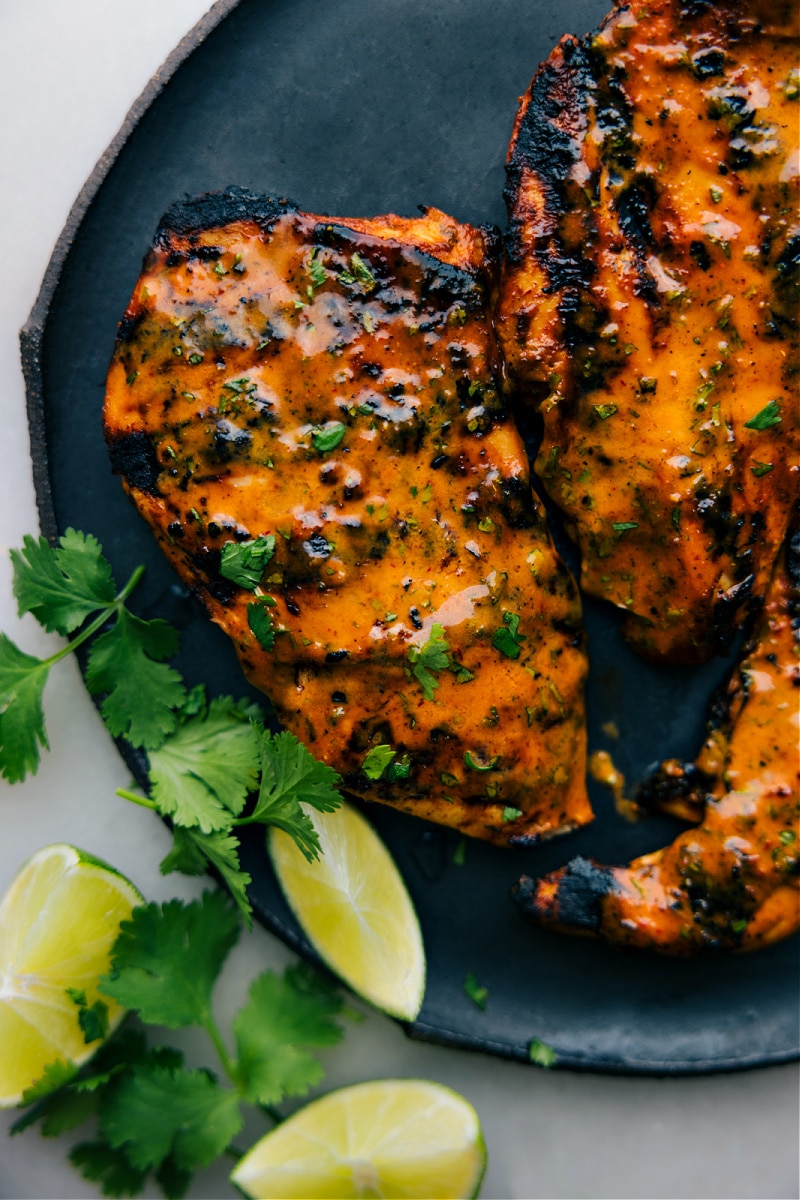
283	1017
125	1050
259	619
92	1018
316	271
204	771
166	960
290	775
507	639
65	1110
478	995
327	437
142	691
429	659
377	760
359	273
155	1113
245	562
112	1169
769	415
193	852
173	1180
22	731
54	1076
541	1054
62	587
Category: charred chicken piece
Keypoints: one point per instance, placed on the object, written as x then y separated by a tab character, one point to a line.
649	305
734	881
306	411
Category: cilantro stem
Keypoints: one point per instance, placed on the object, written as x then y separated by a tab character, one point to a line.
272	1113
134	799
99	621
229	1066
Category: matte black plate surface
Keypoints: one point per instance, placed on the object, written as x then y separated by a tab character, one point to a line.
354	108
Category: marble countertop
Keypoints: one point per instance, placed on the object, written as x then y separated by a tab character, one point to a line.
71	69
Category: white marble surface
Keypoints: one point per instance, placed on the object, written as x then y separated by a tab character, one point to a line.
71	68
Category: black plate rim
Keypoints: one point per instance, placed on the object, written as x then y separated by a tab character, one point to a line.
31	353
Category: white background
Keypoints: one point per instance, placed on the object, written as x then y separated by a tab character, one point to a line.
70	70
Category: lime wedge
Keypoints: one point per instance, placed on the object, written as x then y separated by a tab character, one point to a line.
58	922
390	1138
355	910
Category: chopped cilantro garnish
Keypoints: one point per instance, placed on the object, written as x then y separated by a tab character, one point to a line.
507	639
604	411
316	273
399	769
475	765
511	814
541	1054
377	760
245	562
621	527
761	468
327	437
460	852
477	994
359	273
765	419
429	659
259	619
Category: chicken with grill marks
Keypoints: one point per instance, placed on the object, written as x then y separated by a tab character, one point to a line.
733	882
649	305
306	411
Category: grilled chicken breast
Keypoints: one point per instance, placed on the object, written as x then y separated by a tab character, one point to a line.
649	305
306	411
734	881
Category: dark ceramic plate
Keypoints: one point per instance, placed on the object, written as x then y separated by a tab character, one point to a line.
353	108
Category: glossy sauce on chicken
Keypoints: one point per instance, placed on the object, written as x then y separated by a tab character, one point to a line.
733	882
324	393
650	305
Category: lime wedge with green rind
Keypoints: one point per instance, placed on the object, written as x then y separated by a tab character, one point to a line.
353	906
390	1138
58	922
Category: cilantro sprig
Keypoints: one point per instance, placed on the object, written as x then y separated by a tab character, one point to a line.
212	767
222	770
63	587
153	1114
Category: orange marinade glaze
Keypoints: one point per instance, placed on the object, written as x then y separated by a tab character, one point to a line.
734	880
332	384
649	305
